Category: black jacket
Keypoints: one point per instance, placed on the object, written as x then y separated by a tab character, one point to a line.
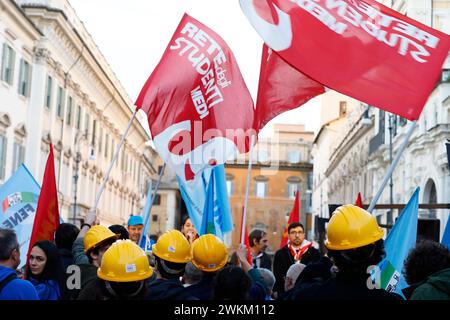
343	288
163	289
283	260
264	261
203	290
96	290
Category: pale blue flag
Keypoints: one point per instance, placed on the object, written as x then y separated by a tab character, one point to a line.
398	243
19	197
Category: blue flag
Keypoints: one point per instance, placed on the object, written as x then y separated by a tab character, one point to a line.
194	194
19	197
146	243
208	225
398	243
446	237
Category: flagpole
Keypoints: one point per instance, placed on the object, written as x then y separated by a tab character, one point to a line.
392	167
116	155
244	219
147	218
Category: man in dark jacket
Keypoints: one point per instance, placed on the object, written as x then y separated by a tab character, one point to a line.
427	271
258	245
11	287
65	236
354	242
298	249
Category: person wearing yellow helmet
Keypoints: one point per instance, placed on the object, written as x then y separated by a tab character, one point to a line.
122	275
354	242
172	252
209	254
88	250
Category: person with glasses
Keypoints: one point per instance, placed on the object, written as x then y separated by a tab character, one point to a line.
11	287
297	250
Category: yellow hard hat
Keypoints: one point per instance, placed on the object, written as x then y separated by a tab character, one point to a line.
96	235
352	227
209	253
124	261
172	246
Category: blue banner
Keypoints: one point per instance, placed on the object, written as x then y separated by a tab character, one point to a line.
400	240
195	196
19	197
446	237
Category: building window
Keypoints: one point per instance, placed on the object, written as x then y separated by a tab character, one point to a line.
292	190
263	156
86	124
157	201
3	146
106	145
261	189
48	92
78	125
342	108
24	78
18	156
154	218
445	75
69	111
230	187
94	132
100	140
8	61
294	156
60	103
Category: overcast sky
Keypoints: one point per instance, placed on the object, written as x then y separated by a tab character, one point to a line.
133	35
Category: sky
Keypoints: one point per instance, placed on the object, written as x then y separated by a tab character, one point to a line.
133	34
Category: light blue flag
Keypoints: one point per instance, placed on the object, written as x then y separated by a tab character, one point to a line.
194	194
19	197
398	243
446	237
208	225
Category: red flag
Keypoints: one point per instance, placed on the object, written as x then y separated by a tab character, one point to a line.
199	108
293	217
281	88
359	48
46	220
359	201
246	242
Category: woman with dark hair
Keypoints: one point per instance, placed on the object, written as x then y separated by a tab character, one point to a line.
46	271
427	271
188	229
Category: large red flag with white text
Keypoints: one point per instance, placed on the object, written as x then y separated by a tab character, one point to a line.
199	109
359	48
281	88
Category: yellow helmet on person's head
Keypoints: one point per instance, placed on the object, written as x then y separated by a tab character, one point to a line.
96	236
352	227
124	261
172	246
209	253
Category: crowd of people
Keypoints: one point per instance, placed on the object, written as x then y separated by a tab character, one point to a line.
94	262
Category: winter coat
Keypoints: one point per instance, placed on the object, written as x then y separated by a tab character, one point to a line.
283	260
16	289
46	289
168	289
435	287
203	290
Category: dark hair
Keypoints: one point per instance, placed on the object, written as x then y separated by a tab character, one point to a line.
96	249
426	258
54	267
176	268
119	229
354	262
65	235
8	242
256	234
231	283
183	221
295	225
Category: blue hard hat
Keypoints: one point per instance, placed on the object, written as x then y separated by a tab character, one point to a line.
135	220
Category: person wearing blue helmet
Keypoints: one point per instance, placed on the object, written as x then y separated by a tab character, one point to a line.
135	229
